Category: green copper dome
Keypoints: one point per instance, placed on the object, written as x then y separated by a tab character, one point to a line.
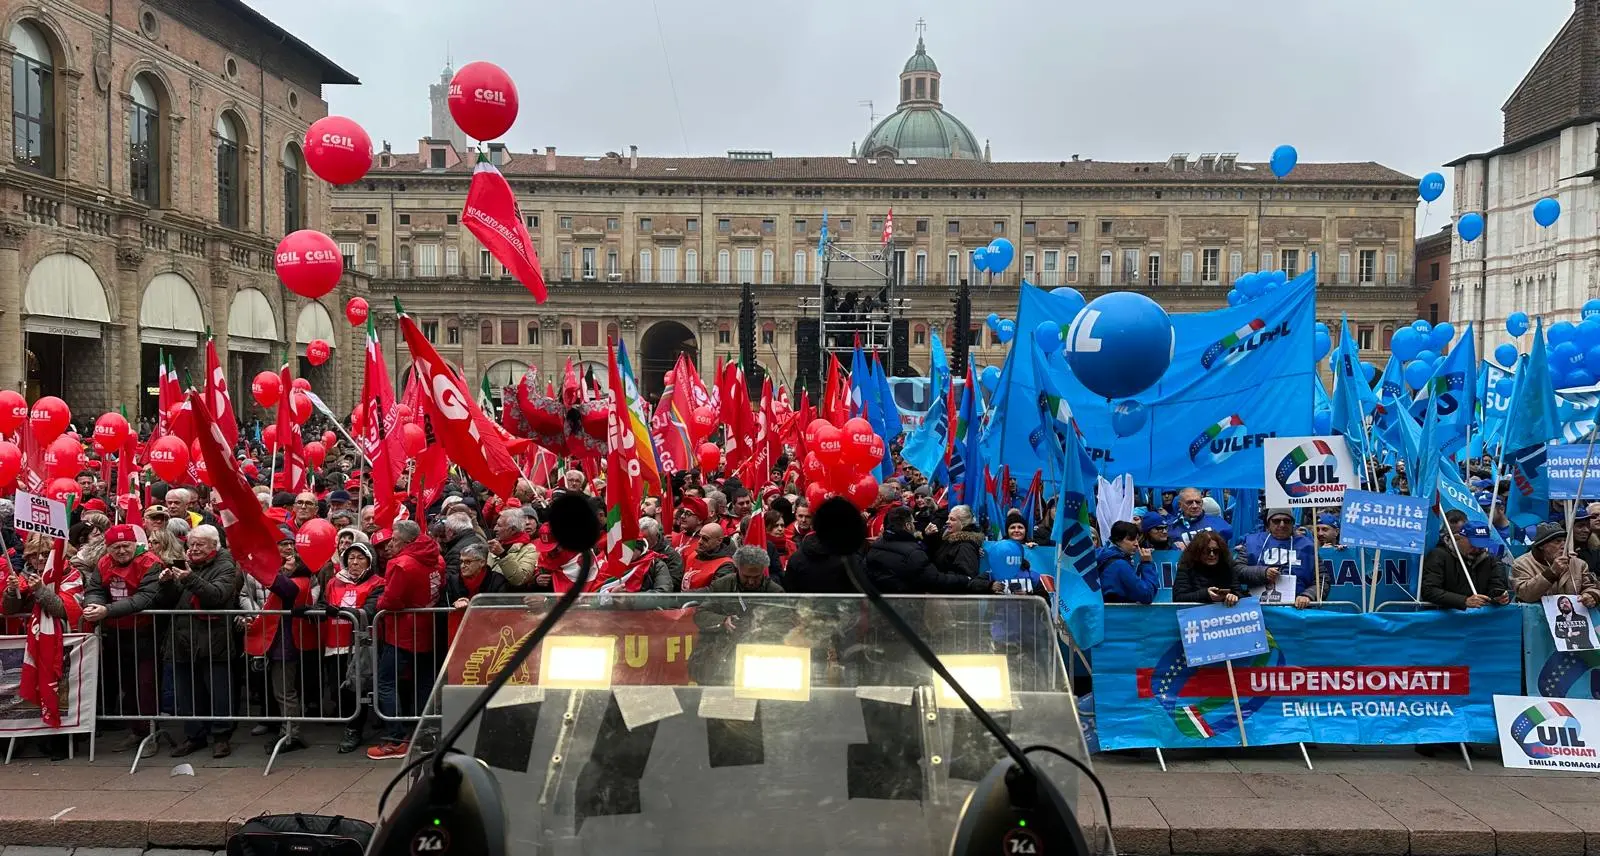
920	61
921	131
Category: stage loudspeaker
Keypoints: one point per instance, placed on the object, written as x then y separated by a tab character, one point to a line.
808	356
900	348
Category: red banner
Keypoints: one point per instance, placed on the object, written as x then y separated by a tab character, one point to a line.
654	645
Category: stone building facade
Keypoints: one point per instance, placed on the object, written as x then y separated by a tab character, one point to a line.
156	163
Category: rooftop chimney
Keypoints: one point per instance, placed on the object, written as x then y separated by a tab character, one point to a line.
549	158
633	158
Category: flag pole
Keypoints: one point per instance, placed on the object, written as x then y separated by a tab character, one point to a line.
1238	713
1572	505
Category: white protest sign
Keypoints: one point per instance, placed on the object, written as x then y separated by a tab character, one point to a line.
35	513
1548	733
1569	622
1308	471
1282	591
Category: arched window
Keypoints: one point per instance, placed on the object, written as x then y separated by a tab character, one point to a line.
230	178
691	266
768	262
33	100
613	334
724	266
144	143
405	261
486	332
293	193
905	89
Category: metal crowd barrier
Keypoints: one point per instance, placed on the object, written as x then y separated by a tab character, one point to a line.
190	667
409	668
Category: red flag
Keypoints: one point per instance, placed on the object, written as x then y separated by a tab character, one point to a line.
669	425
888	227
380	435
738	425
758	467
492	216
44	652
835	394
770	434
686	379
571	387
290	441
467	436
217	395
252	536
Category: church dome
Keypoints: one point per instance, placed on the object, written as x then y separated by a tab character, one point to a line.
919	127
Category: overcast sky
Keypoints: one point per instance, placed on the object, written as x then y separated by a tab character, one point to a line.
1408	83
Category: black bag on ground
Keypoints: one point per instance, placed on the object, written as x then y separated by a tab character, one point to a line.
300	835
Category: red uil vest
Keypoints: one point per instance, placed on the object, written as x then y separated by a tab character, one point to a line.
263	628
338	634
698	572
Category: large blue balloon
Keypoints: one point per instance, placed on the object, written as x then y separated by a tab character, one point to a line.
1428	357
1506	355
1422	327
1120	345
1235	298
1517	323
1251	285
1406	343
1006	332
1588	333
1561	331
1591	360
1047	336
1580	377
989	378
1546	211
1591	308
980	259
1005	558
1322	343
1370	370
1442	335
1128	417
1073	295
1001	252
1567	356
993	321
1470	226
1283	160
1417	373
1504	387
1431	187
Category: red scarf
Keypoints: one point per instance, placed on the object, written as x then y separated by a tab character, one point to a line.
45	653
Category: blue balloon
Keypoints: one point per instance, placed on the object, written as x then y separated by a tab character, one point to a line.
1546	211
1591	308
1322	422
1470	226
1580	377
1047	336
1506	355
1417	373
1504	387
1591	360
1006	332
1561	331
1073	295
1370	370
1322	343
1283	160
993	321
1442	335
1517	323
989	378
1431	187
1405	344
1250	285
1128	417
1428	357
1001	252
1422	327
1588	333
1235	298
1120	345
1567	356
980	259
1005	559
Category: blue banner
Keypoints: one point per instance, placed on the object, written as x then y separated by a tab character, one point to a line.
1215	633
1566	467
1238	375
1326	677
1397	573
1383	521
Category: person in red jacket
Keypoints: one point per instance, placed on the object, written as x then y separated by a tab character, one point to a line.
117	590
412	580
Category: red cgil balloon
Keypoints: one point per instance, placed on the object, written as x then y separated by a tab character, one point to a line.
357	417
705	421
169	457
309	263
269	436
302	384
829	446
10	463
299	407
48	418
316	454
266	387
858	436
413	439
338	149
61	457
863	492
13	411
110	433
813	468
355	311
314	541
318	351
816	494
710	458
403	414
61	489
329	439
483	100
812	429
198	458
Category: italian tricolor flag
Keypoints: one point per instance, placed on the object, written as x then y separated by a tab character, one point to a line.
1192	722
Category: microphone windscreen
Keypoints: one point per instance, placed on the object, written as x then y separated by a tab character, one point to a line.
840	526
573	522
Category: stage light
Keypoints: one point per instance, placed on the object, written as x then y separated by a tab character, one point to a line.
776	672
986	677
577	662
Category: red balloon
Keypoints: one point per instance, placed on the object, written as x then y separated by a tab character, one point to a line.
704	422
269	436
710	457
816	494
413	439
299	407
13	411
61	458
863	493
60	489
318	351
48	418
316	453
403	414
110	432
169	457
10	462
812	429
355	311
878	450
813	468
197	458
266	387
302	384
358	415
338	149
483	100
315	541
309	263
858	436
829	446
329	439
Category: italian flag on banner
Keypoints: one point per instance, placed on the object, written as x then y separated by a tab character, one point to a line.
492	216
624	547
1191	721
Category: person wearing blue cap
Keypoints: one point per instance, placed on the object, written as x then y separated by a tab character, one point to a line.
1327	529
1461	572
1278	550
1153	527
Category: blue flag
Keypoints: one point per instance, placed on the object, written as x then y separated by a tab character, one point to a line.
1350	388
1453	389
1387	426
926	446
966	470
822	239
1082	606
1532	423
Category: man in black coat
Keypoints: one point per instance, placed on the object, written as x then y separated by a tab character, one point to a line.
897	564
1444	583
813	569
960	551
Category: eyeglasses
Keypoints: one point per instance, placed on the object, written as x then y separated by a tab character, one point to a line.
1212	550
